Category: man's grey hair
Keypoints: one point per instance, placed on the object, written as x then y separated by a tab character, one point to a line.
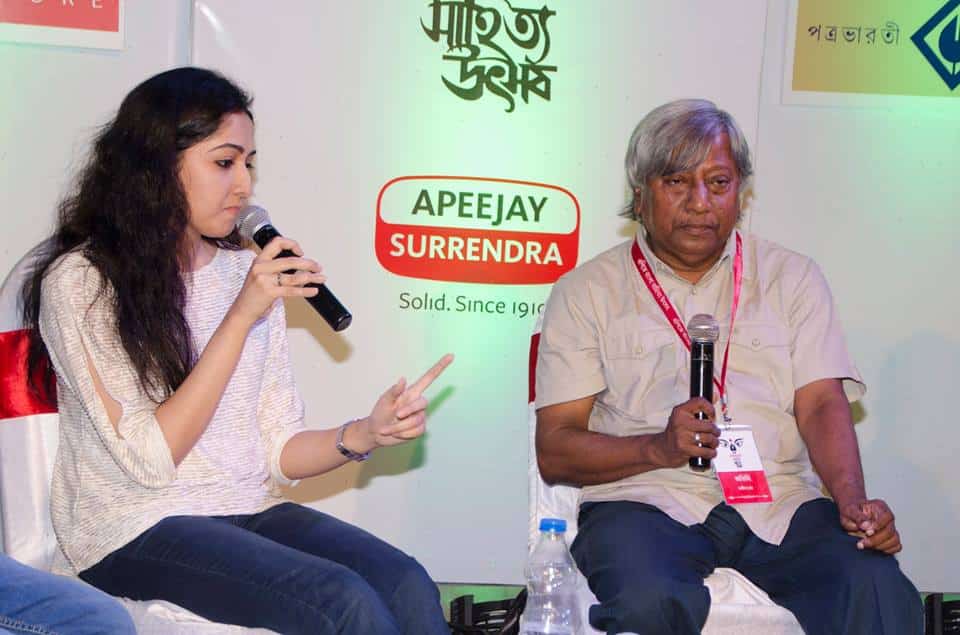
676	137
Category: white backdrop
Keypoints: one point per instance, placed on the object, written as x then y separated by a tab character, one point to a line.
360	101
349	96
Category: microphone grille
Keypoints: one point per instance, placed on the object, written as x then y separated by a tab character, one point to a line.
703	328
250	219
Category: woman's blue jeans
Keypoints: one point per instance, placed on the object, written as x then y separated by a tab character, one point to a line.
290	569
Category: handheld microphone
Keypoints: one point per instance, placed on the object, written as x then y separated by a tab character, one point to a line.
253	223
704	331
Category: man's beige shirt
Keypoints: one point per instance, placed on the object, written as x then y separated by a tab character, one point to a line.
604	335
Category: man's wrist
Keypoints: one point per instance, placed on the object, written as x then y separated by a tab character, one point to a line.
845	501
654	454
847	494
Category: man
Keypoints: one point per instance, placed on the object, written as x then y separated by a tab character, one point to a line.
614	416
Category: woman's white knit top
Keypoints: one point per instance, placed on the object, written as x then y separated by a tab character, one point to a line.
111	484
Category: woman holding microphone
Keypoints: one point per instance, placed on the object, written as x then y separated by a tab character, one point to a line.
179	414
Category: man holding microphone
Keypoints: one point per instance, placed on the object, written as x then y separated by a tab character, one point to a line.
615	417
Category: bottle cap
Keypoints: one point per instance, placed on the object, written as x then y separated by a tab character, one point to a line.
553	524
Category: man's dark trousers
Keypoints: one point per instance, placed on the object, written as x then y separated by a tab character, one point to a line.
647	571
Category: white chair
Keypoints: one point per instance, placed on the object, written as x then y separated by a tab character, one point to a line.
28	445
737	606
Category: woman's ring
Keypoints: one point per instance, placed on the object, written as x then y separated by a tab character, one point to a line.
696	437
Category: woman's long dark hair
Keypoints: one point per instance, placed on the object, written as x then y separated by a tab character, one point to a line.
128	214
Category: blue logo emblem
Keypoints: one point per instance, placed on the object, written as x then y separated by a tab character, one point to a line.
939	41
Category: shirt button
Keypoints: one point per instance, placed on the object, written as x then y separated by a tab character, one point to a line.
694	291
755	342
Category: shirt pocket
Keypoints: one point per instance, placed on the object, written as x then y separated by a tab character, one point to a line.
760	368
636	365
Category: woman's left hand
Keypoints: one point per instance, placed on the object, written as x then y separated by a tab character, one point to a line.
400	413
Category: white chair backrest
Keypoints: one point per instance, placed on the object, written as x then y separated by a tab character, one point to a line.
545	501
28	446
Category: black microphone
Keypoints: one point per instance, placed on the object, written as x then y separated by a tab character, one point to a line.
253	223
704	331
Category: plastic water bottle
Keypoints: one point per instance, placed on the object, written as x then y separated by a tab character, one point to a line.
552	607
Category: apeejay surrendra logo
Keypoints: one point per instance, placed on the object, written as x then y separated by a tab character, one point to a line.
477	229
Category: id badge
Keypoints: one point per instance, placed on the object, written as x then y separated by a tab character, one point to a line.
739	469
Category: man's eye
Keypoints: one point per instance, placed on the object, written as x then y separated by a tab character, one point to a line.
251	166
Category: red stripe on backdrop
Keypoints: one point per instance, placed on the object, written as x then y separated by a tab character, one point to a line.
532	385
16	399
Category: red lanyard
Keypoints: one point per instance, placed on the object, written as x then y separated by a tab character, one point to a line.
650	279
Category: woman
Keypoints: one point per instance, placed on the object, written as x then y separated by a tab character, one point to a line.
178	411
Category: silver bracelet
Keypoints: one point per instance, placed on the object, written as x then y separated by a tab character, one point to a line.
344	450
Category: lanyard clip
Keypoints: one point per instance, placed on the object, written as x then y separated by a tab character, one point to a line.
725	410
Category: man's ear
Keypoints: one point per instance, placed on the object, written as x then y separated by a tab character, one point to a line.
637	204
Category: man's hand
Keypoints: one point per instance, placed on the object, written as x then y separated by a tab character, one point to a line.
678	442
872	522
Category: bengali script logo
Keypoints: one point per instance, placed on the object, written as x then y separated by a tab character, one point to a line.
939	41
501	50
856	34
475	229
